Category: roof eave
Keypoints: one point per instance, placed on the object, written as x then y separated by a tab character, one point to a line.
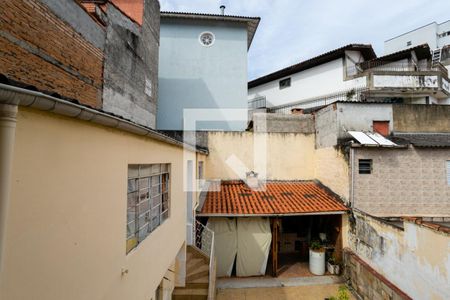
252	22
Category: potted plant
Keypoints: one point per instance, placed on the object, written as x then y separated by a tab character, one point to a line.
316	258
333	265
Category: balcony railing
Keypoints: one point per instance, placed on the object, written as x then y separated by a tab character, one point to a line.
367	66
258	102
352	95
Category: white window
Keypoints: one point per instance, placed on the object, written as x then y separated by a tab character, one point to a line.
148	201
206	38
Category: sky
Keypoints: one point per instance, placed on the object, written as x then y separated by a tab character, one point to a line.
291	31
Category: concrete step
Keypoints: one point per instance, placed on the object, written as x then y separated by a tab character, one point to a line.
192	291
204	275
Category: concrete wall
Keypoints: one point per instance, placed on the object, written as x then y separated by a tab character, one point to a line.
331	168
131	65
66	227
55	55
404	182
290	156
321	80
194	76
421	118
414	259
264	122
333	121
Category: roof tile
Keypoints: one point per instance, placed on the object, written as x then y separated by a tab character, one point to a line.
279	197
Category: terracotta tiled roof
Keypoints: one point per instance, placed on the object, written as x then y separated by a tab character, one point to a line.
279	198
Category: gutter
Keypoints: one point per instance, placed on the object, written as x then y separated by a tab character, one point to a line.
18	96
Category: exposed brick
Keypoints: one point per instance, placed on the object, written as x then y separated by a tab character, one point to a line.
41	50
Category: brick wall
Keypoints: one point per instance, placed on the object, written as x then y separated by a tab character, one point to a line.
404	182
40	49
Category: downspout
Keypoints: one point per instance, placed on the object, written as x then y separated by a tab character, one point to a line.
352	172
8	115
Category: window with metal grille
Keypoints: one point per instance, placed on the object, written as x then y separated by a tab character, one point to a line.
448	172
284	83
365	166
148	201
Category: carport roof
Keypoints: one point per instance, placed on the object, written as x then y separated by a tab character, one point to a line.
280	198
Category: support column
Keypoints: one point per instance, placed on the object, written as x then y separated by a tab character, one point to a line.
8	115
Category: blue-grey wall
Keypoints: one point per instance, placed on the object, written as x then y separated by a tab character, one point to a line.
194	76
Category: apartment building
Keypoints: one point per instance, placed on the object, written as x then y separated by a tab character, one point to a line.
436	35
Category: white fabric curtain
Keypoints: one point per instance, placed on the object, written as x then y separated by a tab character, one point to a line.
253	245
225	239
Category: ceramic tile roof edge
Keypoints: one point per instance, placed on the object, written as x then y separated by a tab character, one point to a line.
319	184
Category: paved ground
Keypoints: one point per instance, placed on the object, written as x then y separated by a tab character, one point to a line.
309	292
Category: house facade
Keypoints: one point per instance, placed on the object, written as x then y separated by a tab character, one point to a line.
203	65
90	191
353	73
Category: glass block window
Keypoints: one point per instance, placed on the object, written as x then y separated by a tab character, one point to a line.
148	201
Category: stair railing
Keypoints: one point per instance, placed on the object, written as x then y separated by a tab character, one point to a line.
204	241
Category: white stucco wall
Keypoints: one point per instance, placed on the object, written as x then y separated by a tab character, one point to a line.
318	81
422	35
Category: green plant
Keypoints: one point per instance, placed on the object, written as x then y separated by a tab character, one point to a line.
343	294
316	246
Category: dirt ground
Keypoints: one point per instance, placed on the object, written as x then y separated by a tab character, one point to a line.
313	292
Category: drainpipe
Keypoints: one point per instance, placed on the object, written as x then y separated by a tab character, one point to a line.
8	115
352	172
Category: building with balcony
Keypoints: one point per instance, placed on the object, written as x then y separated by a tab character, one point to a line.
353	73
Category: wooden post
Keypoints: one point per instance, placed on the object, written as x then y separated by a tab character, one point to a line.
275	234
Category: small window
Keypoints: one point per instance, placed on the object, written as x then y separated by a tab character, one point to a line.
148	201
365	166
408	43
285	83
448	172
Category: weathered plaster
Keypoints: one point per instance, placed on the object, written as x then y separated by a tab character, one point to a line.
416	259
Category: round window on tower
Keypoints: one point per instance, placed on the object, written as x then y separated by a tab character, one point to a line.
206	39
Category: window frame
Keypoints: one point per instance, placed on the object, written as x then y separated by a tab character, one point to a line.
281	82
447	167
148	201
365	170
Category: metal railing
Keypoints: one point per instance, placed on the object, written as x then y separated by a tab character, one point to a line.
204	240
258	102
351	95
409	66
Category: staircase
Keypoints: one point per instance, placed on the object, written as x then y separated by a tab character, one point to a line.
200	268
436	56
